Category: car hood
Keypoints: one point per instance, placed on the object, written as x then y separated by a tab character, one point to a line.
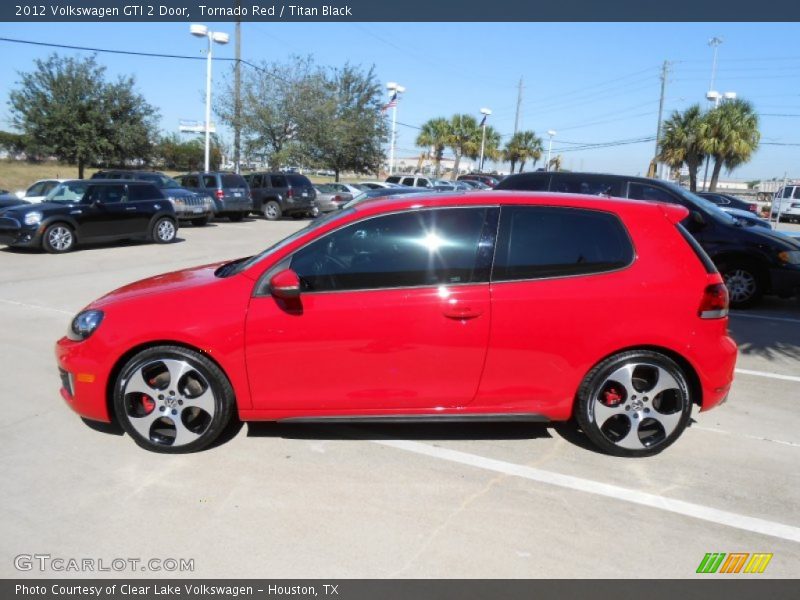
788	242
186	279
44	208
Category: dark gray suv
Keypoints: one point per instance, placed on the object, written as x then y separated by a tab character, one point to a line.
278	194
228	191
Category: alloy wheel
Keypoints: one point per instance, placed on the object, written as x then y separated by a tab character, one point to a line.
741	284
60	238
638	406
165	230
169	402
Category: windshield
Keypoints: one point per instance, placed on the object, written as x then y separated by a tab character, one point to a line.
68	192
704	205
316	223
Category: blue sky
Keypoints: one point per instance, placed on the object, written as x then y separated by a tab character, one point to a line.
590	82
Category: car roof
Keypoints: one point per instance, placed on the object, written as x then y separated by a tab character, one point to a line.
494	198
98	180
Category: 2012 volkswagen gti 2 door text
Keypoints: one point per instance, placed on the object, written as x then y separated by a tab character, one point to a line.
479	306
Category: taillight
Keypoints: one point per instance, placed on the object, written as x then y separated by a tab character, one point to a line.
336	199
714	304
290	193
220	194
754	208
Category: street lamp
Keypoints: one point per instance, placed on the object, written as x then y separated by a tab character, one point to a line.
395	90
485	112
220	38
552	134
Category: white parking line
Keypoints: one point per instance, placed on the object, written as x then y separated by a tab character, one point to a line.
37	306
764	317
769	375
689	509
745	435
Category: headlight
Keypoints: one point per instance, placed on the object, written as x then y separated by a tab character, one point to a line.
33	218
176	202
84	324
789	257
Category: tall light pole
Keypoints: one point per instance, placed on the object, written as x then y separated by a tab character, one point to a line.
394	92
714	43
485	112
552	134
219	38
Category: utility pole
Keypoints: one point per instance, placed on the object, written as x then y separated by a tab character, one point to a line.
237	95
664	72
519	106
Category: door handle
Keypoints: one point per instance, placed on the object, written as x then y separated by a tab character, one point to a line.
130	208
462	312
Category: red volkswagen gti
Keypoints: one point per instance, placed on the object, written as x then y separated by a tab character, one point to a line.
484	306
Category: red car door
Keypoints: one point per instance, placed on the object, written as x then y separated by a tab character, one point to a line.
394	315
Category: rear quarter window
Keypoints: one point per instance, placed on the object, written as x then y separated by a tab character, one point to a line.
233	181
298	181
537	242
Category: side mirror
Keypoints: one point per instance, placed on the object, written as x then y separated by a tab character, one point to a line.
285	284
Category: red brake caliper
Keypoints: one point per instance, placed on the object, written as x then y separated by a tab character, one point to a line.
612	397
147	404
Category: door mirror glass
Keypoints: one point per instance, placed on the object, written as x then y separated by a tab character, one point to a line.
285	284
697	218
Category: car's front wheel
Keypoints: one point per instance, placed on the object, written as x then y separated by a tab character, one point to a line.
173	400
164	231
58	238
635	403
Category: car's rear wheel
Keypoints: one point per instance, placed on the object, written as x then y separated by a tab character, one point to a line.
173	400
634	403
164	231
201	222
272	211
58	238
745	284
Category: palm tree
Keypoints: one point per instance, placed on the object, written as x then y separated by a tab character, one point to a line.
730	135
491	143
513	150
531	148
465	138
555	163
681	142
435	134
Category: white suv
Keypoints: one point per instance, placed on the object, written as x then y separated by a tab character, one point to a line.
786	202
411	180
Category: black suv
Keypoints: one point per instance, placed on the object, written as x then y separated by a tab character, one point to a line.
90	210
189	206
228	191
753	260
278	194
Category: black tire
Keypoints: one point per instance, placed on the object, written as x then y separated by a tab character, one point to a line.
163	231
745	282
236	217
201	222
155	409
58	238
272	210
659	419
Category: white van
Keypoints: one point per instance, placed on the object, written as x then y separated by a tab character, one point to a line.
786	202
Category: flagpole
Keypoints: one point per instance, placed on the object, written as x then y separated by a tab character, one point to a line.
394	94
394	134
485	112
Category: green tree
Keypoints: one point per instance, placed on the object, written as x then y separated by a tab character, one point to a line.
344	129
465	139
681	142
729	134
173	153
530	148
65	108
435	134
13	143
276	102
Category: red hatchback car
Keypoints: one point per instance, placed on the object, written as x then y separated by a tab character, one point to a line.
485	306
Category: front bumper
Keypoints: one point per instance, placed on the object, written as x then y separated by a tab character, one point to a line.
84	379
13	233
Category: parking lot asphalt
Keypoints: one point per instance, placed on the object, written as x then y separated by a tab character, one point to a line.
352	501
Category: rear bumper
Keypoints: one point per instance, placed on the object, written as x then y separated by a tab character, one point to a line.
233	205
715	369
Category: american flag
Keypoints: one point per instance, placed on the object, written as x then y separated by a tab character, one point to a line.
391	104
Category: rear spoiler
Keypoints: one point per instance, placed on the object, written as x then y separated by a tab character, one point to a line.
674	213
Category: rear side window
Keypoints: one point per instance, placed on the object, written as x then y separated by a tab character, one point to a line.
586	184
233	181
797	193
540	241
530	182
408	181
210	181
641	191
410	249
140	193
393	179
278	181
300	181
189	181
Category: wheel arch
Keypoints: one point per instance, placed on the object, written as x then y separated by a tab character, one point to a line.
124	358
